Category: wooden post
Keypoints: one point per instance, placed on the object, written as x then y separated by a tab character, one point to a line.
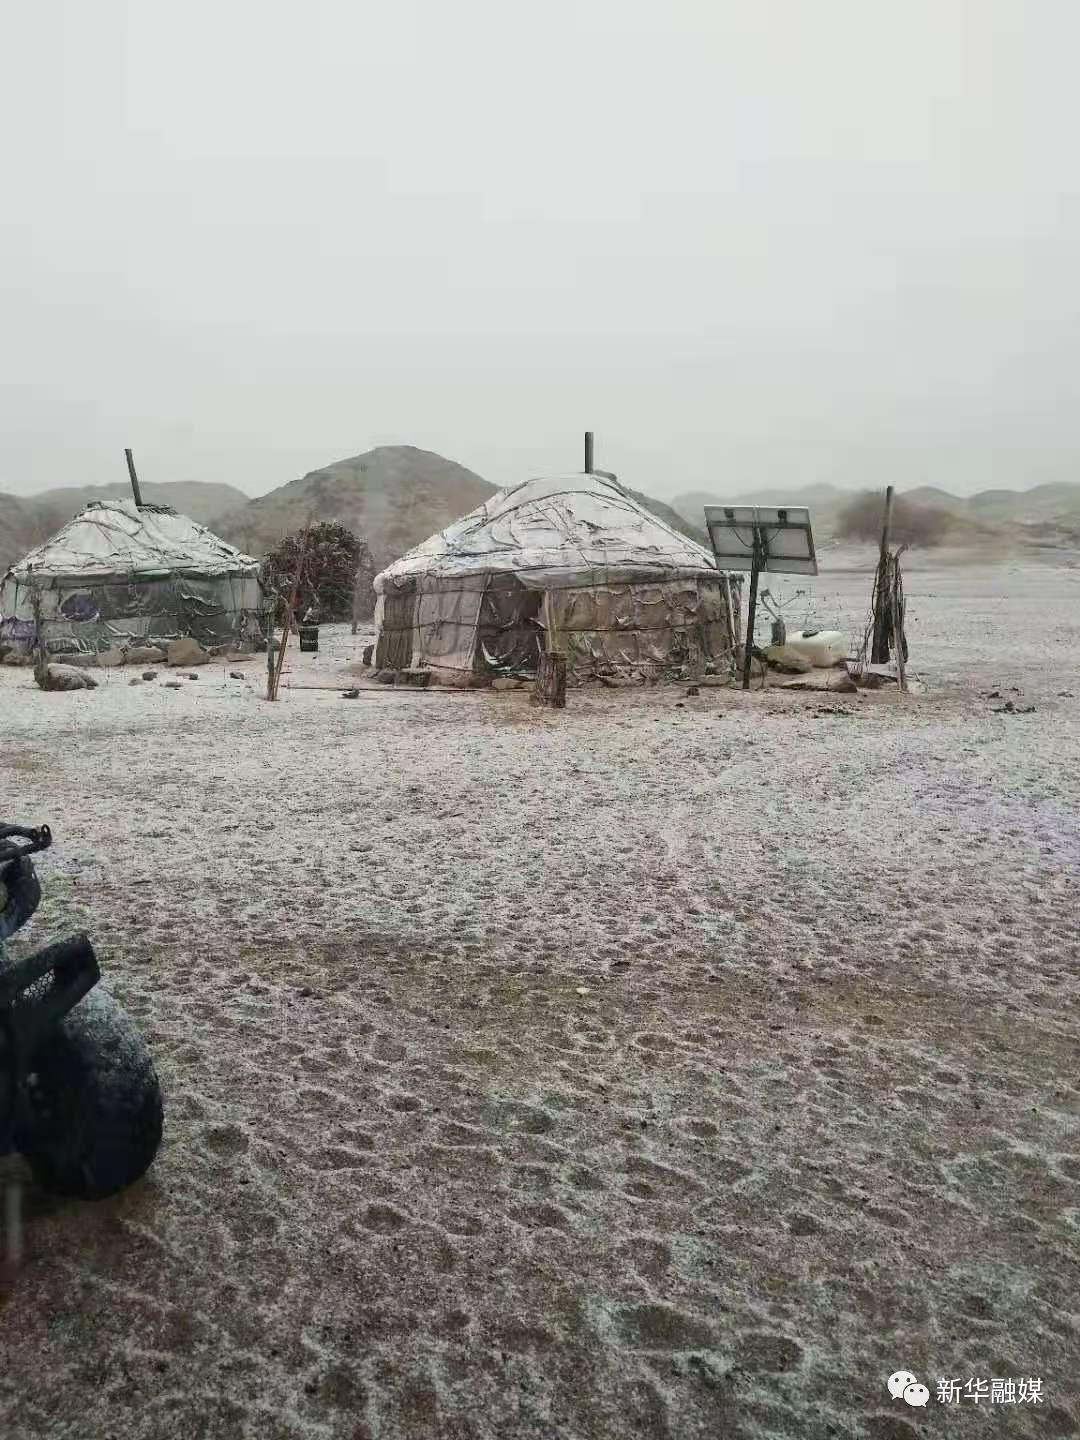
356	601
755	572
886	524
732	619
899	640
133	478
270	649
588	452
550	686
41	664
879	652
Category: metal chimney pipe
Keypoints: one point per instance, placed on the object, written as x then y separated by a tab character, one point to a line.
133	477
588	452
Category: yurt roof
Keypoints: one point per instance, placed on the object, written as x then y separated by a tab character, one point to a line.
553	530
116	537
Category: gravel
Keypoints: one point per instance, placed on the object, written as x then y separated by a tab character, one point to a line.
671	1065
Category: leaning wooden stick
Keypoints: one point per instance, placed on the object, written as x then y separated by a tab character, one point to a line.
290	610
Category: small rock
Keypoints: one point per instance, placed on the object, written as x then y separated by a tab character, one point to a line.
186	651
233	675
350	694
173	685
693	690
149	675
193	676
135	681
67	677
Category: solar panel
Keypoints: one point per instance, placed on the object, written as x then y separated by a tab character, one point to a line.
785	538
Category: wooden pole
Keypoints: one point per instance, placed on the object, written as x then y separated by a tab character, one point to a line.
732	623
755	572
898	626
588	452
886	524
290	610
270	649
879	653
41	664
279	664
130	458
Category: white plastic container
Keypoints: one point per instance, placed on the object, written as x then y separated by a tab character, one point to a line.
821	647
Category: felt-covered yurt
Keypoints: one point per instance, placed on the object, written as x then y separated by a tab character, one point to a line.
569	563
121	574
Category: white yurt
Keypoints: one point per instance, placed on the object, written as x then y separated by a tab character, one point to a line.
120	574
569	563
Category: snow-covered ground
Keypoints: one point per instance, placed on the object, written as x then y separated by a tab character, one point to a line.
667	1066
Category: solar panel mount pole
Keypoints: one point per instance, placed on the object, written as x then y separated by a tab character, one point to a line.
133	478
588	452
755	572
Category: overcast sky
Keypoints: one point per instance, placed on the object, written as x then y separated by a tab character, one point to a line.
771	242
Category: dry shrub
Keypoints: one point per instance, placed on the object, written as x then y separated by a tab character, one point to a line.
332	559
912	524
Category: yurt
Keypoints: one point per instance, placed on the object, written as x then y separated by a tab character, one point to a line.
569	563
120	574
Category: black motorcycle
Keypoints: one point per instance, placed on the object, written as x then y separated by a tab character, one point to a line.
79	1097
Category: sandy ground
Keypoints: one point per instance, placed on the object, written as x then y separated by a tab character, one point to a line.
665	1067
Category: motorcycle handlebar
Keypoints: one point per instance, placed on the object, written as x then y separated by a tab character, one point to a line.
34	840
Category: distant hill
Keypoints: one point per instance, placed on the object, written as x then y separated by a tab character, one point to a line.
692	502
393	496
1015	514
936	499
27	520
20	529
201	500
670	516
1023	507
823	501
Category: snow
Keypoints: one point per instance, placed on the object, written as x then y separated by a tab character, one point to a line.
558	530
116	537
664	1066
